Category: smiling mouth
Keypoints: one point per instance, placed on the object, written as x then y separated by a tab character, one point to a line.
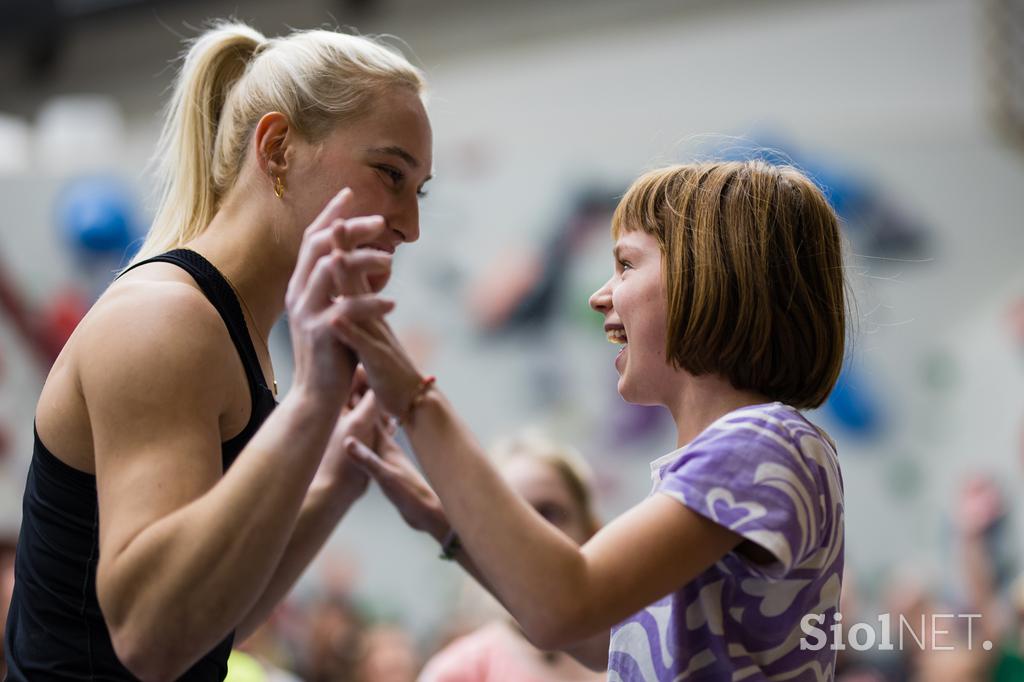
386	247
616	335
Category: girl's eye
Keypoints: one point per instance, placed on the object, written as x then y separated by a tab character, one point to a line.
422	193
625	264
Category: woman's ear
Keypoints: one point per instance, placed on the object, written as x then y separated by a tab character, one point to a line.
273	135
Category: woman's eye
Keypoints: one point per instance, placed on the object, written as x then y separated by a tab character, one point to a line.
394	174
422	193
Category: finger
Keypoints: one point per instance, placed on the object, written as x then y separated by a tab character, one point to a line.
313	249
360	308
360	377
391	452
366	262
363	231
360	385
322	282
353	335
367	460
357	322
334	209
352	274
366	406
377	329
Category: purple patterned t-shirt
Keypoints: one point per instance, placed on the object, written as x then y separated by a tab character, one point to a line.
769	475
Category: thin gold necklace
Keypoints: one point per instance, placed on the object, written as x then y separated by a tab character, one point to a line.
255	327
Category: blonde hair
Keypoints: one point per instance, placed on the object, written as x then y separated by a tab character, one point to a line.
754	274
231	76
570	466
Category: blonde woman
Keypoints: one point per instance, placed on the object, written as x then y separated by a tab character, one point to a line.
169	504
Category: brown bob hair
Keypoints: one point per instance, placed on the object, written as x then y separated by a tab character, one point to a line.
753	267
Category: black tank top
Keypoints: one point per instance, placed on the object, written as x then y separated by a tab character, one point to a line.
55	629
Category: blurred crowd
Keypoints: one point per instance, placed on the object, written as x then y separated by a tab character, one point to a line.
946	620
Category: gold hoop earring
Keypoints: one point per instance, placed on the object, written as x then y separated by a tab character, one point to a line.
278	187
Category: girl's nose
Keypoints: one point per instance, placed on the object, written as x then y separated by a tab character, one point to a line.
601	300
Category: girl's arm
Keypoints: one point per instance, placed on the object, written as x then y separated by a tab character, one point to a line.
558	592
420	507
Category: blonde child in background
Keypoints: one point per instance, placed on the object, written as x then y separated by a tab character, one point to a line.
557	483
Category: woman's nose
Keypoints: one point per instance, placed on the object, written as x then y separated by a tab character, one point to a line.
407	222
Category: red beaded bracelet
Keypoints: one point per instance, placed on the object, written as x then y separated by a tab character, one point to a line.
421	392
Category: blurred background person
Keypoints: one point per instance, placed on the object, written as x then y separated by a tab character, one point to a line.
333	640
981	512
558	484
387	654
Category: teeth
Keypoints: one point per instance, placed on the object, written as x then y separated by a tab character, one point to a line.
616	336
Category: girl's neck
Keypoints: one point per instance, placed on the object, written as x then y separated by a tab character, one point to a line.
697	402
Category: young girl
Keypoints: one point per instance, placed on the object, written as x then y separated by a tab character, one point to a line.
728	299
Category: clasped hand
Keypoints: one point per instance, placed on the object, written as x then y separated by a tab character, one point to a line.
335	314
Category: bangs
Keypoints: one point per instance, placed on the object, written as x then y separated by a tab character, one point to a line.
645	203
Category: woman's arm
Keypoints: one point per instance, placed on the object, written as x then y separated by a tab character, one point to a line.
184	551
336	486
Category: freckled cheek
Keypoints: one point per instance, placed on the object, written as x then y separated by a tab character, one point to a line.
620	298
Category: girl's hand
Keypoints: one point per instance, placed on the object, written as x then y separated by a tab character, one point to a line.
334	277
389	369
401	482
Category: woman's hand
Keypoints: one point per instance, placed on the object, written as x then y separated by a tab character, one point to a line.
337	471
401	482
360	418
334	278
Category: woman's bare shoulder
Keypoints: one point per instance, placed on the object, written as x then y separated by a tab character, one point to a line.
162	328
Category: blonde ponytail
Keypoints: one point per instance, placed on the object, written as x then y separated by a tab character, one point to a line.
184	158
231	76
